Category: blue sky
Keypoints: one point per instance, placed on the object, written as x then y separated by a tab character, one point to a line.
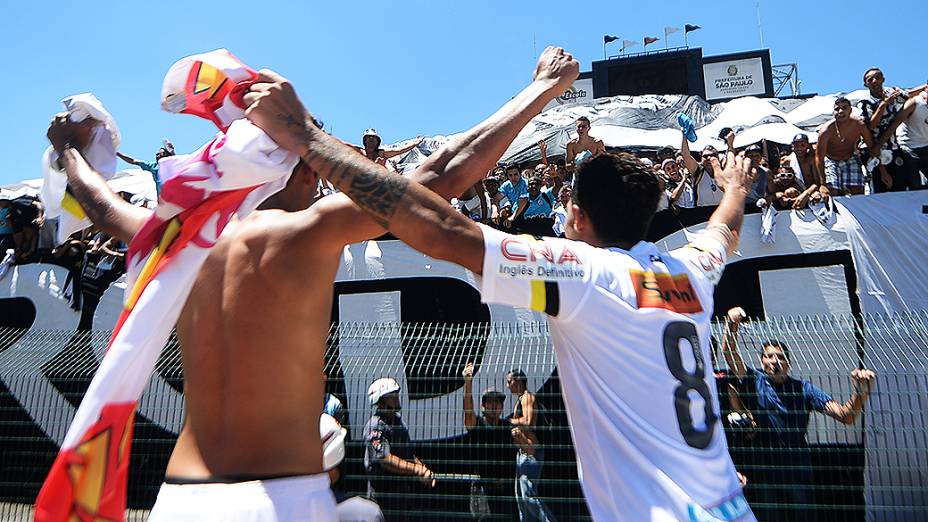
405	68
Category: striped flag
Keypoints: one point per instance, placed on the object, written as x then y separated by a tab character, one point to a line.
229	176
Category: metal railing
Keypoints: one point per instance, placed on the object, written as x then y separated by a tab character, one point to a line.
873	469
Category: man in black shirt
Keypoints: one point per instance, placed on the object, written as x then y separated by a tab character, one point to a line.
490	437
878	111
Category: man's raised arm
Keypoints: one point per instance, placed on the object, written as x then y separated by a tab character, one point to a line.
413	213
466	159
736	180
463	162
109	212
105	209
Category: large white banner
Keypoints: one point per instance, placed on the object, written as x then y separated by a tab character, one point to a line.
733	78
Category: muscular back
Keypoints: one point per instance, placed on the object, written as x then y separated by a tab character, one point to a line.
252	338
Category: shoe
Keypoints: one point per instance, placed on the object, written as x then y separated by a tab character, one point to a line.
689	128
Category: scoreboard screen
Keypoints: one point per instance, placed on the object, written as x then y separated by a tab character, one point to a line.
667	76
685	71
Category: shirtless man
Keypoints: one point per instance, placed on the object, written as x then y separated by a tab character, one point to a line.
371	149
837	151
583	142
802	161
254	327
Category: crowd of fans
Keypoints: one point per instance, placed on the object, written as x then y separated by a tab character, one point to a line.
886	149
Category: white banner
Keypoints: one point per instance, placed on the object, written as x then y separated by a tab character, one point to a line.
581	91
733	78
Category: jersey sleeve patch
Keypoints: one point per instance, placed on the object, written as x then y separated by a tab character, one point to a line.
546	297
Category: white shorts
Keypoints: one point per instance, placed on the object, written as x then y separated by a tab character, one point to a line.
274	500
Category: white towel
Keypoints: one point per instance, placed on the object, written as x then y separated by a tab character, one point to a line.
768	225
824	211
100	154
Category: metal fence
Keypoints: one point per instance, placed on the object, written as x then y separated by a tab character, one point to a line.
874	469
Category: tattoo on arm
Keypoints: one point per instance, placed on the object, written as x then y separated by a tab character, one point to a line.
371	186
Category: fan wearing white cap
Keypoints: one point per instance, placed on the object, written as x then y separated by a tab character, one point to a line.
393	470
371	148
349	508
166	151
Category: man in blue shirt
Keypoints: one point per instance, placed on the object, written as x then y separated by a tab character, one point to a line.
167	149
537	219
516	190
779	407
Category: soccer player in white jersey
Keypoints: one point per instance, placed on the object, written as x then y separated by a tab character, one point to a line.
630	323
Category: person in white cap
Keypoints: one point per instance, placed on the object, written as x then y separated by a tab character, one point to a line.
371	148
394	471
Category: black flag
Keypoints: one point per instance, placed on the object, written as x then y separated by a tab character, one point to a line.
688	28
609	38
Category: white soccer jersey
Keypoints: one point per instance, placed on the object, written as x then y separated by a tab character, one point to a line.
631	334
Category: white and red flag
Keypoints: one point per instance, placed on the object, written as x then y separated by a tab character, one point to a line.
226	178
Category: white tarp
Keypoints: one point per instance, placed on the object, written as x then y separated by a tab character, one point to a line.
888	235
649	122
133	181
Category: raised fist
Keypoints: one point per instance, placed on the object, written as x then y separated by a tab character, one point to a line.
468	372
557	66
274	107
62	132
736	315
863	380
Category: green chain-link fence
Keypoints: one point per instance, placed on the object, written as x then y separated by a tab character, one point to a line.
872	469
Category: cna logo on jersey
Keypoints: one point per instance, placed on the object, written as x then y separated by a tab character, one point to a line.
528	258
661	290
572	95
711	263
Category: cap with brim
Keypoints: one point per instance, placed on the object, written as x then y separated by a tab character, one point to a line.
753	148
370	133
800	137
381	387
666	162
